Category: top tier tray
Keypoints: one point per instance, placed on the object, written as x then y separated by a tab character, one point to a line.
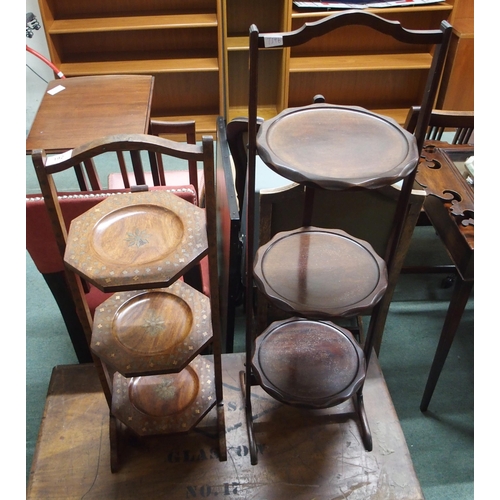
137	240
337	147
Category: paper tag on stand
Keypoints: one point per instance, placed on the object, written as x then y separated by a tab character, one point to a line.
273	41
58	158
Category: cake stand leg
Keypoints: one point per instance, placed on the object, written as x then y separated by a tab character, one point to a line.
245	389
114	439
363	420
221	424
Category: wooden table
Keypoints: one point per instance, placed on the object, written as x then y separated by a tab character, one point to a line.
90	107
449	204
299	457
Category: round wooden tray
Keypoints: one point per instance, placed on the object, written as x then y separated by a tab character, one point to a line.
164	404
134	240
337	147
320	273
152	331
306	363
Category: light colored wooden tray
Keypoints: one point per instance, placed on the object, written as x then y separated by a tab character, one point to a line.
133	240
152	331
164	404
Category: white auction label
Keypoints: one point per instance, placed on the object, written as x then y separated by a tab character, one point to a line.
56	90
273	41
51	160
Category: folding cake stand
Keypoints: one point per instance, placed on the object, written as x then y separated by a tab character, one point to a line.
152	330
318	274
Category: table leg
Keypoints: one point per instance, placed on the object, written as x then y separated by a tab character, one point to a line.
459	299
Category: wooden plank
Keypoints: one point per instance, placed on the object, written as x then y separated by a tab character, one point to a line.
393	10
386	62
145	66
131	23
302	454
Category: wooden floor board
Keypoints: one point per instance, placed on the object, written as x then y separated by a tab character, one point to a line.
302	455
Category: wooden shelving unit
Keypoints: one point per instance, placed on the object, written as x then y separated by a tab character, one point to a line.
341	65
198	52
269	16
178	42
337	68
457	88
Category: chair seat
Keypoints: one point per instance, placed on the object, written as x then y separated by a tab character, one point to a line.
310	364
320	273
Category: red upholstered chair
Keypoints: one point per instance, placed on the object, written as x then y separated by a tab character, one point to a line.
42	247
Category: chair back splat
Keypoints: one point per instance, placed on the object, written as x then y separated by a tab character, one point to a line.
440	121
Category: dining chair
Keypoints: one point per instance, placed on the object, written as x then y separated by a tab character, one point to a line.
314	273
162	173
460	123
139	245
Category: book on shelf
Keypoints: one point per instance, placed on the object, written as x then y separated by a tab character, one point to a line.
361	4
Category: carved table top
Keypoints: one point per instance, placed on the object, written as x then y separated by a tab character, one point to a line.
449	203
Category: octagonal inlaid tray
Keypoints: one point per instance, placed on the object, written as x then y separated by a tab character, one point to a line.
152	331
136	239
307	363
164	404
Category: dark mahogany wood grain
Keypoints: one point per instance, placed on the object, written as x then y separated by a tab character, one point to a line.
450	207
320	273
311	364
337	147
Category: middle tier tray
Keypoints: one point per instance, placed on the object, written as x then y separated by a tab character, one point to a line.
320	273
146	332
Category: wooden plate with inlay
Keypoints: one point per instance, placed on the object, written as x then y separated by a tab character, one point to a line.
152	331
133	240
164	404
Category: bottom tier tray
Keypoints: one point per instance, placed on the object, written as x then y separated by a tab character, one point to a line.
165	404
306	363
